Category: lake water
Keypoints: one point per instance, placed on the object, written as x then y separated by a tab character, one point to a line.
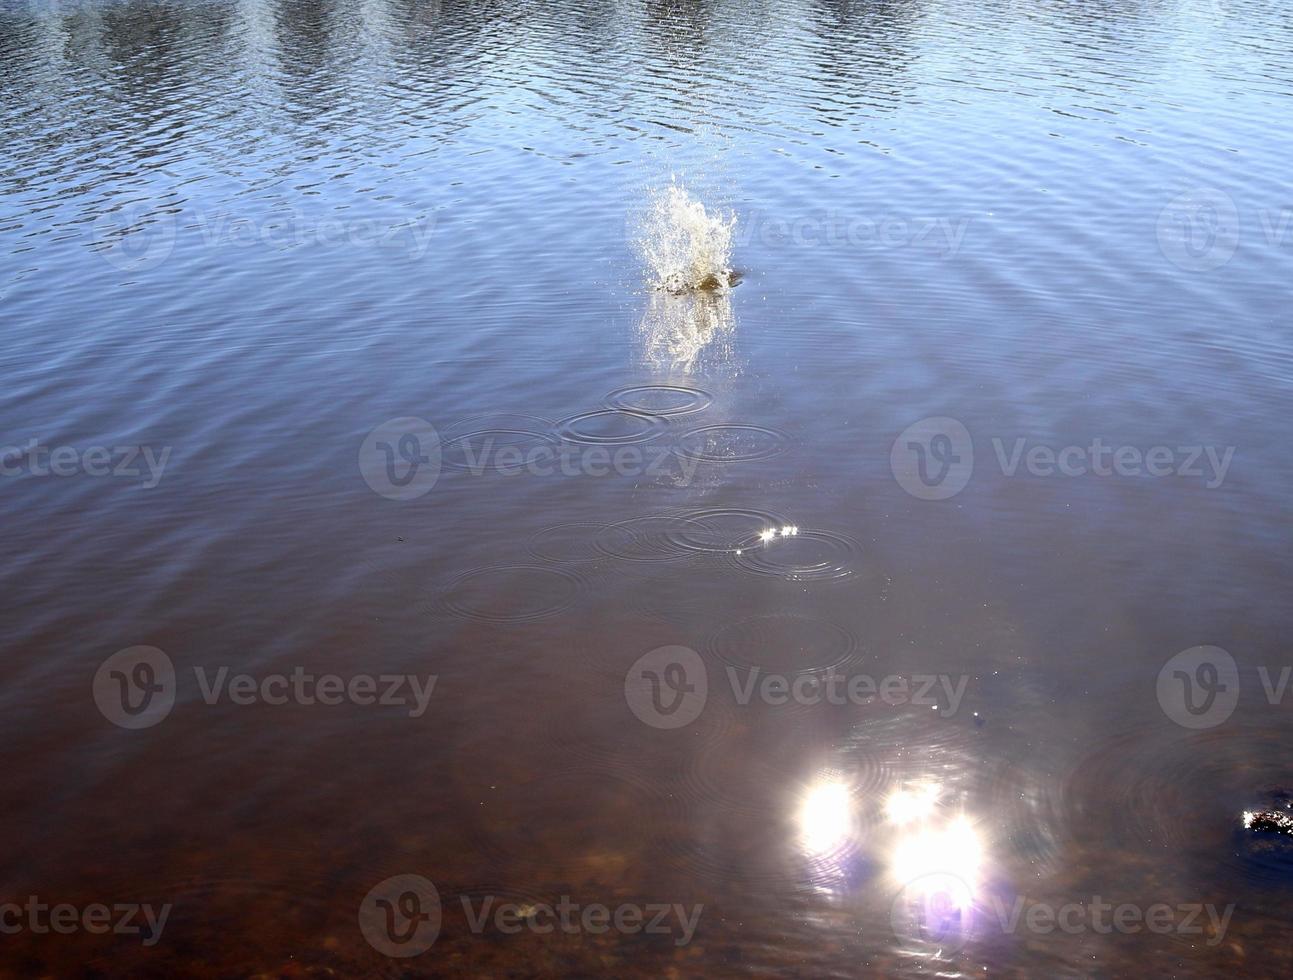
331	355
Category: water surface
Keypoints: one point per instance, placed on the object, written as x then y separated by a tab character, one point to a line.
246	235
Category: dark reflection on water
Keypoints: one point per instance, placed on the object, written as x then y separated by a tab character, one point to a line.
244	235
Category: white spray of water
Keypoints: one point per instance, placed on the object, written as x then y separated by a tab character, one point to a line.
686	246
688	331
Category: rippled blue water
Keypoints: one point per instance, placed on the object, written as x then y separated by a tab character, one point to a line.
237	238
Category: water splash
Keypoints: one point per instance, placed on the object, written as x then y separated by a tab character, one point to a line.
689	330
686	246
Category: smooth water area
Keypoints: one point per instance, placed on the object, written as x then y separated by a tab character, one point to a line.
243	243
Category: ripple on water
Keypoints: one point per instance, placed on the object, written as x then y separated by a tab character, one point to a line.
784	643
573	542
889	745
732	443
1169	791
667	400
809	555
611	427
744	799
512	593
649	539
475	443
722	530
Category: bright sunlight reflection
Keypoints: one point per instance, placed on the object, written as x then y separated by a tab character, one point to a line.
826	817
952	852
906	806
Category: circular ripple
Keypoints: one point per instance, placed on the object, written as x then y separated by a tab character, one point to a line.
664	400
647	538
568	542
511	593
730	443
724	529
1182	793
741	798
475	443
808	556
784	643
611	427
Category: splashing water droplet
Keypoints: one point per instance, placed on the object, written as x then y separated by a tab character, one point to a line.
687	247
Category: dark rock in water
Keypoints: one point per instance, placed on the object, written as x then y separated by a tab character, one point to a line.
1276	818
1269	821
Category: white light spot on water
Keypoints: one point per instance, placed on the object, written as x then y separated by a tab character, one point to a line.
906	806
947	856
826	817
